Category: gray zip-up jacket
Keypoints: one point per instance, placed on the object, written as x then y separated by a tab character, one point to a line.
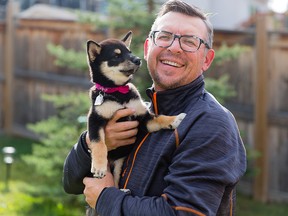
192	170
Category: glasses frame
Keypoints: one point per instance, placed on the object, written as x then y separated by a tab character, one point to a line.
152	35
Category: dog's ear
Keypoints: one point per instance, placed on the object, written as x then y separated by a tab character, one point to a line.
93	49
127	39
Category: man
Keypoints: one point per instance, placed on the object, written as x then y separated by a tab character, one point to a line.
192	170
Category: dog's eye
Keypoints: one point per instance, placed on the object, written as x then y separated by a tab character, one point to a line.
117	53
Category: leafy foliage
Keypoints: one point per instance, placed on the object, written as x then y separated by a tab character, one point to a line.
68	57
19	203
226	54
58	133
220	88
130	14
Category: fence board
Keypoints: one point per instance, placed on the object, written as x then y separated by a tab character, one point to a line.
9	68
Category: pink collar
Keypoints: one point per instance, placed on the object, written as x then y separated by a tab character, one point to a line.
122	89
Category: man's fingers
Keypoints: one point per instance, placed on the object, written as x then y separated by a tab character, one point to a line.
115	140
122	113
117	136
121	126
86	180
120	133
123	130
127	134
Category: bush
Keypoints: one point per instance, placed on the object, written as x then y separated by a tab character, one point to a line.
17	202
58	133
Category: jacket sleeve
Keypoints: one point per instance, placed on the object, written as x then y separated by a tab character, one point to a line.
202	175
76	166
206	167
112	201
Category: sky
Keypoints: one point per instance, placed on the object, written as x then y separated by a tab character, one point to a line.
279	6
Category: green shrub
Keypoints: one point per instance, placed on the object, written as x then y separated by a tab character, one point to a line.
58	134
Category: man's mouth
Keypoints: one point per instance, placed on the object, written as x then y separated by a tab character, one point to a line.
171	63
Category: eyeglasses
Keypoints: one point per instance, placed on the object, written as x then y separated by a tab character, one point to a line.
188	43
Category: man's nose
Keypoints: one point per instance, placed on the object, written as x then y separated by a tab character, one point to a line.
175	46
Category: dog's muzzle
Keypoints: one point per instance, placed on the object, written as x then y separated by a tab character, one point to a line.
137	61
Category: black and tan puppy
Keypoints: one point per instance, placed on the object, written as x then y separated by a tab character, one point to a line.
112	66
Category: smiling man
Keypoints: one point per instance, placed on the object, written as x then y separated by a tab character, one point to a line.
192	170
175	53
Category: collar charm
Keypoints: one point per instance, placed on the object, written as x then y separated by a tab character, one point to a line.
99	100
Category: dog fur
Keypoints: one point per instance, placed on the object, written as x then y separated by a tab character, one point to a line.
112	66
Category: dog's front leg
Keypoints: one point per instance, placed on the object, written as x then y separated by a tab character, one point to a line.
164	122
99	155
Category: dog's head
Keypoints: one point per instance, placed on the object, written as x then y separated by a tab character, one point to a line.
111	61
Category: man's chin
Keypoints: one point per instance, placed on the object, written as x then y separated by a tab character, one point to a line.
162	86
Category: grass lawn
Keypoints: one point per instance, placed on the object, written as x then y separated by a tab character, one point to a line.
22	146
248	207
15	201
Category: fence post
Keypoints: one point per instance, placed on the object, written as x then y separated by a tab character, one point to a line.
9	67
260	109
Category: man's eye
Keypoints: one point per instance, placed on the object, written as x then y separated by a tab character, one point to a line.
164	37
190	42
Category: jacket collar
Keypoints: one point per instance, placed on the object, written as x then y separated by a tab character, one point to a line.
173	101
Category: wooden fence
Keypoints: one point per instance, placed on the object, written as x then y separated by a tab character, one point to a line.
33	73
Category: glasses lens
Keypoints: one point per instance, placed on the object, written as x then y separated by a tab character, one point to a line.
190	43
163	39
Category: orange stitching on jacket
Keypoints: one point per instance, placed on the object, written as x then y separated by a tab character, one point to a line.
176	138
180	208
231	203
164	196
125	170
155	103
134	158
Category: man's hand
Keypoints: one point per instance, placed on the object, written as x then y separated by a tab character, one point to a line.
120	133
94	187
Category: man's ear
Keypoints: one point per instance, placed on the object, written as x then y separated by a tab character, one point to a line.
208	59
146	48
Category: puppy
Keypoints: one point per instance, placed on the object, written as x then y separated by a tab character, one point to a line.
112	66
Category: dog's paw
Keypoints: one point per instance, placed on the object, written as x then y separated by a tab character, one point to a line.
177	120
98	171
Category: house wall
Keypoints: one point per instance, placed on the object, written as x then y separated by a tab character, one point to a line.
226	14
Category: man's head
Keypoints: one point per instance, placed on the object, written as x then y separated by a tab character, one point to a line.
179	46
190	10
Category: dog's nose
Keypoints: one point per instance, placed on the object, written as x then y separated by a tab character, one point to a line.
137	61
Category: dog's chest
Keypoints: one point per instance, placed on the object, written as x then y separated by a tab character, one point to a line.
106	105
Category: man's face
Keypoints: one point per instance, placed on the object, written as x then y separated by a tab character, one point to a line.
172	67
